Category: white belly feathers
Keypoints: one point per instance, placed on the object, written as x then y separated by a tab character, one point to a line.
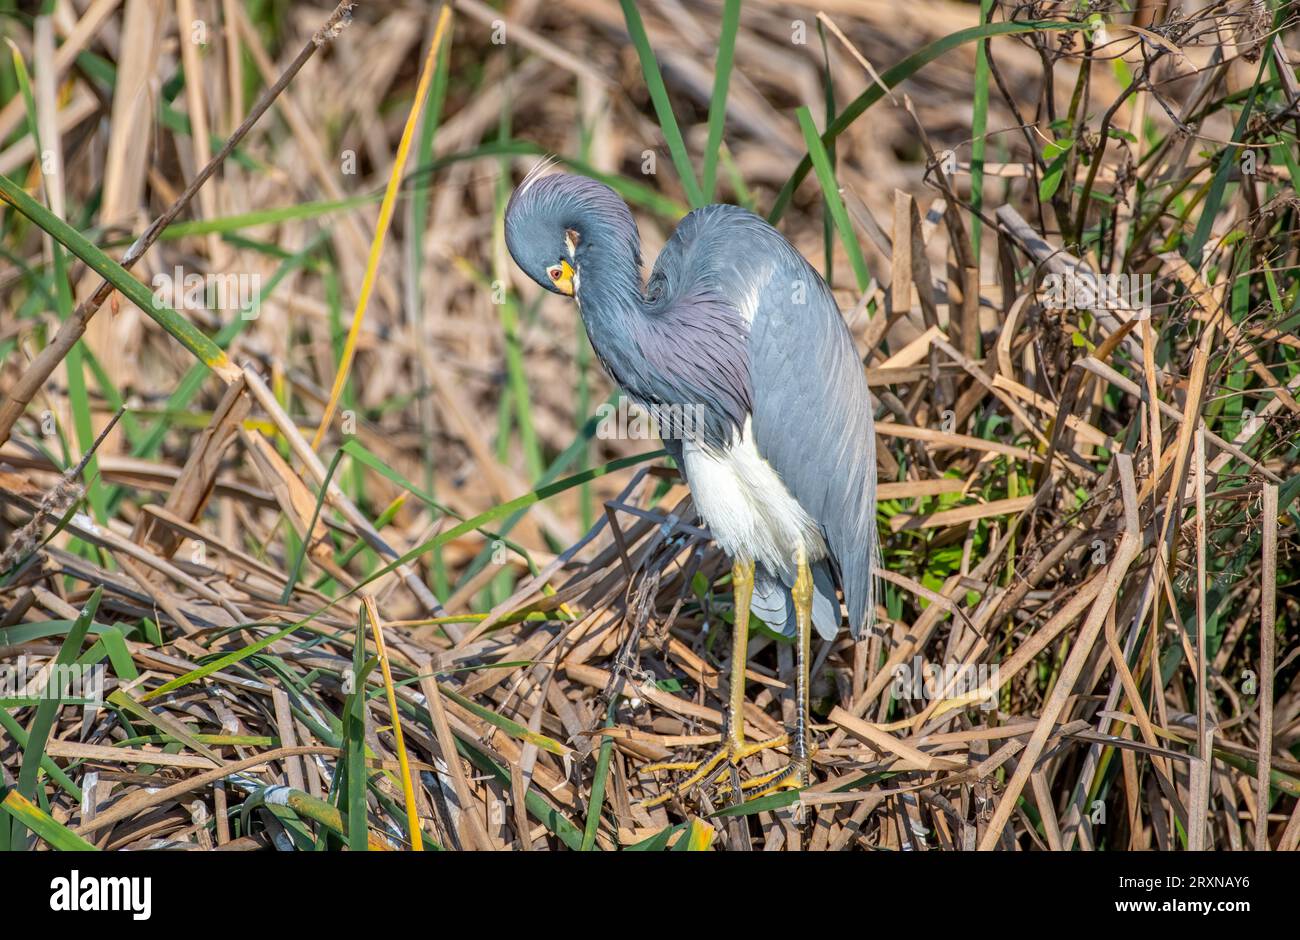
749	510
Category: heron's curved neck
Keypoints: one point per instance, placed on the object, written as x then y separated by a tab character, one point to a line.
610	292
609	276
611	298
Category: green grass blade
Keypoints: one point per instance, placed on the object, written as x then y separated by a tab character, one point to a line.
353	772
112	644
181	329
221	662
512	728
296	570
25	89
418	223
308	807
654	81
828	96
78	394
516	375
1214	199
415	182
633	191
698	837
571	455
48	707
657	842
164	722
598	784
27	815
506	508
718	103
895	76
19	734
762	804
189	385
358	451
830	189
469	525
978	129
237	223
555	821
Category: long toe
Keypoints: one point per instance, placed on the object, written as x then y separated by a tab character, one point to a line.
699	772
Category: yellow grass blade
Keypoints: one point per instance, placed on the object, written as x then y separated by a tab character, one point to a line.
699	836
408	791
381	228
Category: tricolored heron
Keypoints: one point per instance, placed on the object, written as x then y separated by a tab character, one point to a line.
736	325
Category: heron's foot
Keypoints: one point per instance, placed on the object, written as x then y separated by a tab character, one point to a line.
793	776
731	753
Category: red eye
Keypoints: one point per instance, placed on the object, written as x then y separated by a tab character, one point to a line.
555	272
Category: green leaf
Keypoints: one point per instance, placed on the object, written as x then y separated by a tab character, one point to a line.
1056	148
978	132
163	722
48	708
831	192
761	805
237	223
512	728
657	842
895	76
698	837
507	508
296	570
353	771
1051	181
15	730
555	821
179	400
181	329
654	81
113	645
28	815
718	103
1204	225
598	784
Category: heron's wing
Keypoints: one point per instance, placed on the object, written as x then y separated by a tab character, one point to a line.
812	419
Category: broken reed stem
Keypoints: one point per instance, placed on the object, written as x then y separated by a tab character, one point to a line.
1202	771
1267	652
470	831
1130	545
43	366
54	503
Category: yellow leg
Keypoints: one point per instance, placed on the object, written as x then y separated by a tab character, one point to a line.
733	749
796	774
742	582
803	597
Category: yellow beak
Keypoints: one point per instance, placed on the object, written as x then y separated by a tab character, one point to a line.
564	283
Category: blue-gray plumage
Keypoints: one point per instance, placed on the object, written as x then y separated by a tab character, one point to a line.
735	323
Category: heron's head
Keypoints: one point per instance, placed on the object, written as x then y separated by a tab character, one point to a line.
573	235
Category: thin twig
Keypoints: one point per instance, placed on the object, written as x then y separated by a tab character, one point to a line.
43	366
